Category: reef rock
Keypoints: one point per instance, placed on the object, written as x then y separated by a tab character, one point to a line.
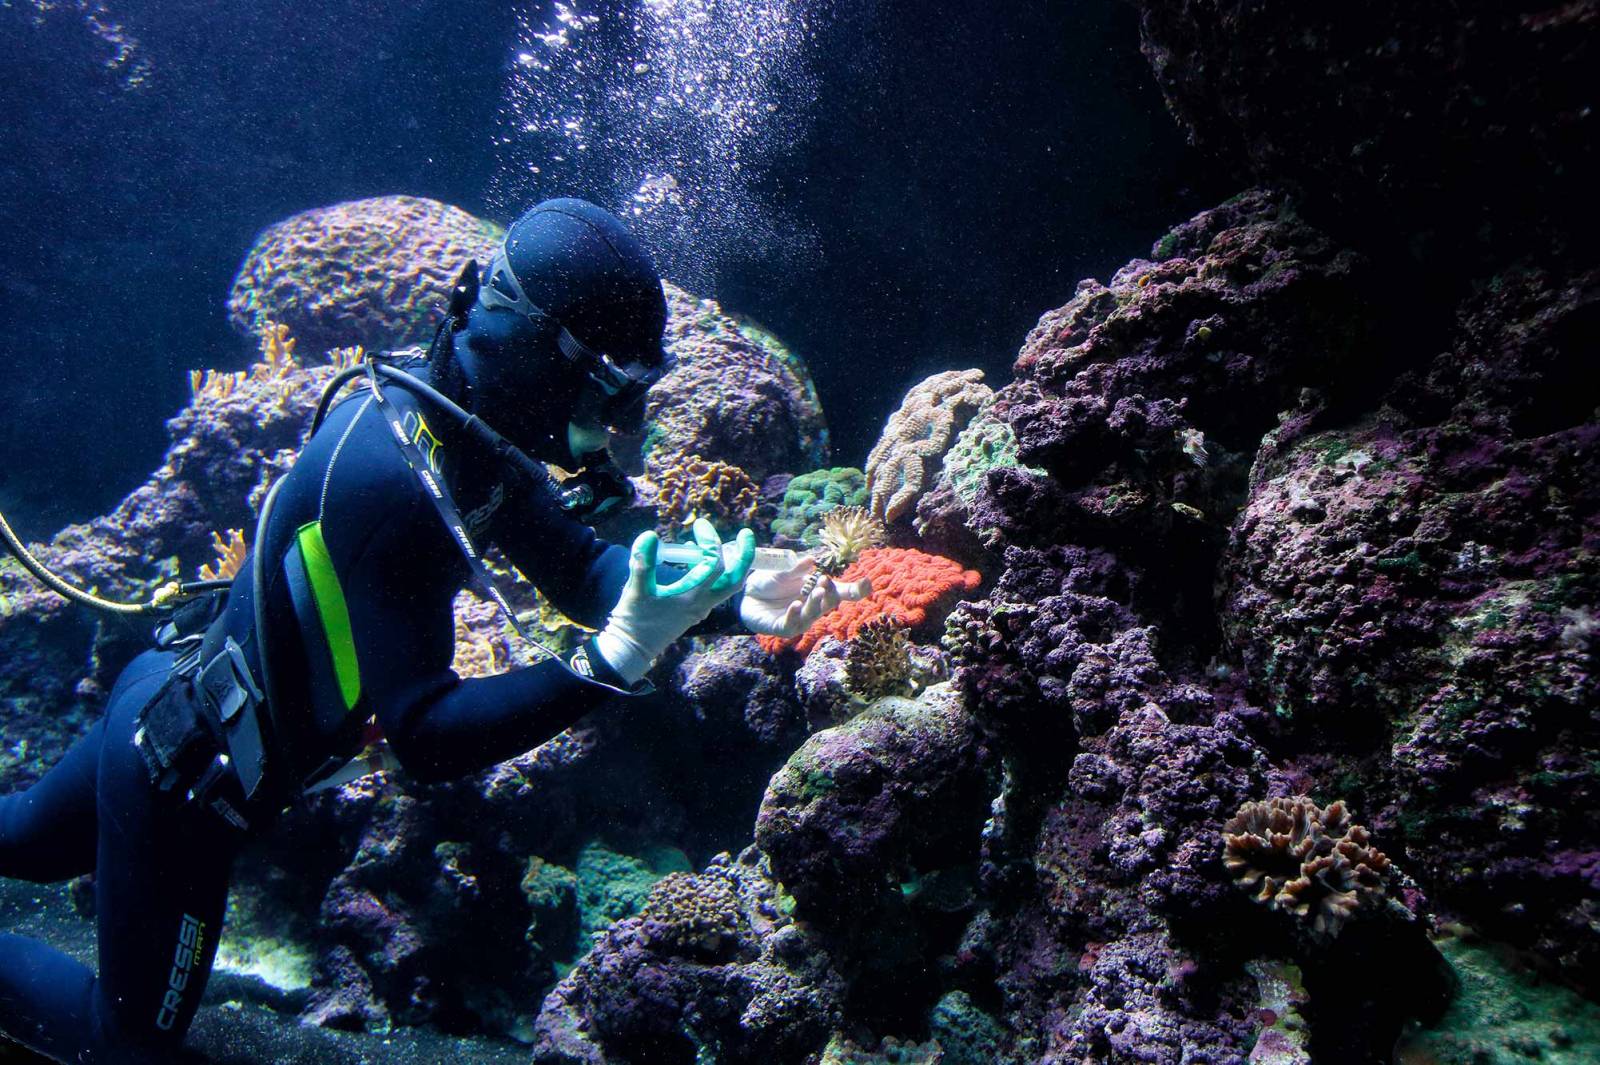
736	395
1421	586
898	787
711	965
1471	123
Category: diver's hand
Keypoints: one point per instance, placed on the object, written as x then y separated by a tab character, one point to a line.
773	603
649	617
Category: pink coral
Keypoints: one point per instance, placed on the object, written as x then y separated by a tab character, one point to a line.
906	583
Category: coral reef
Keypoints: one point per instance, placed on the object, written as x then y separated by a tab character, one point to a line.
1413	586
917	435
735	395
712	965
1305	860
911	585
696	487
809	496
369	272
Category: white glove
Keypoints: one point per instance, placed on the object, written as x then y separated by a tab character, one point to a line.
772	604
648	618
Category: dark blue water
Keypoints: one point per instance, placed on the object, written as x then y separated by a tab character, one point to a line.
938	174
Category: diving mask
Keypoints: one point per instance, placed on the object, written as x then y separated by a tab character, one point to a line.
619	388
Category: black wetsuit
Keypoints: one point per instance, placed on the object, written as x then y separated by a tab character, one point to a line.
162	863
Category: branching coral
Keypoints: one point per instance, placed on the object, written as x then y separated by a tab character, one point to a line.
845	532
877	662
917	435
1314	863
275	365
699	487
230	556
910	584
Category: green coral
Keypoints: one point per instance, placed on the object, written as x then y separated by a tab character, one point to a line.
841	1050
612	885
985	444
552	894
811	495
967	1034
1504	1014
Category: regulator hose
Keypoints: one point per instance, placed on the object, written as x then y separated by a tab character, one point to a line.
165	597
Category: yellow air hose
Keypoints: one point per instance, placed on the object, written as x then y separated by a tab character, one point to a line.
167	595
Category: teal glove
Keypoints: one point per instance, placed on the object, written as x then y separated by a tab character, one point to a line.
648	617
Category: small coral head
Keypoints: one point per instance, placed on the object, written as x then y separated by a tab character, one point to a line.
845	533
1299	858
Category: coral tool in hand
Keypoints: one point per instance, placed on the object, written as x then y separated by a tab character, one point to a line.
784	603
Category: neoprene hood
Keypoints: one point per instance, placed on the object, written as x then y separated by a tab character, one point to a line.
588	275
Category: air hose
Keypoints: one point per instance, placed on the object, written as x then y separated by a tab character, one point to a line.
168	595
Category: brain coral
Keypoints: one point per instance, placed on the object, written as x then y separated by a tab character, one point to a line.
907	583
735	395
364	272
811	495
917	435
699	487
1307	861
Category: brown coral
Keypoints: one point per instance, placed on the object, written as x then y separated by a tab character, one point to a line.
366	272
1314	863
877	660
915	438
692	915
705	488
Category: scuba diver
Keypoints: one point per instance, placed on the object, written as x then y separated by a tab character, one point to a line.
341	622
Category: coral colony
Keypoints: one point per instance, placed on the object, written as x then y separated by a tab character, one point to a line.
1248	542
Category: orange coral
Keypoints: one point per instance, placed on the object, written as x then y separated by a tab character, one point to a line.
907	583
231	553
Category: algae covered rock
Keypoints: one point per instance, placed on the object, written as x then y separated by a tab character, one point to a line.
711	965
899	787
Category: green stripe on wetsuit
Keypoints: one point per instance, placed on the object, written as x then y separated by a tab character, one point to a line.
331	609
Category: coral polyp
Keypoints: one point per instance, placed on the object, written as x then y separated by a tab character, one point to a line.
1312	862
845	533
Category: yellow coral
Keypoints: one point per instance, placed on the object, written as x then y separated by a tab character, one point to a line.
478	652
705	487
277	352
230	556
917	435
344	358
844	534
